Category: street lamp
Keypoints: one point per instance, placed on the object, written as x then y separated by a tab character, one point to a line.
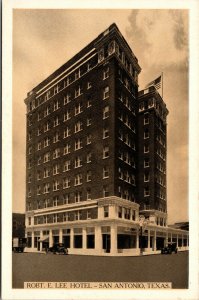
143	224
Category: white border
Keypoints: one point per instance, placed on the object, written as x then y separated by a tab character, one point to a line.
7	291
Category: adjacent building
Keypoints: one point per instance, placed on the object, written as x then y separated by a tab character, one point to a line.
96	155
18	225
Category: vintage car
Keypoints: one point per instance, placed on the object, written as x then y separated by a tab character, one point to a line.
169	248
57	249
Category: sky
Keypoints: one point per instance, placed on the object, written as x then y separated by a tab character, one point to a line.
43	40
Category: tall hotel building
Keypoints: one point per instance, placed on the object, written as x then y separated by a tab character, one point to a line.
96	156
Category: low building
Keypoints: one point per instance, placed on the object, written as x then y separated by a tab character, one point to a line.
18	225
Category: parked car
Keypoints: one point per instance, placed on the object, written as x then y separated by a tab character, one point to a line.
171	247
57	249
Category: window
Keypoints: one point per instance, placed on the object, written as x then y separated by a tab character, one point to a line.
46	111
88	66
146	191
88	157
29	178
106	73
46	126
66	132
46	172
105	191
67	98
46	203
88	194
66	198
105	133
39	146
88	121
78	91
146	133
66	183
46	142
29	135
106	211
78	162
105	172
56	105
89	104
146	119
56	137
65	217
78	126
88	176
39	131
89	85
78	144
106	92
39	160
56	121
146	148
67	115
78	196
78	109
119	212
88	139
127	213
88	214
133	179
55	185
100	55
78	179
46	188
56	153
106	152
67	149
146	162
46	157
47	95
146	177
56	169
29	149
67	81
77	74
67	165
38	204
55	200
38	190
105	112
39	116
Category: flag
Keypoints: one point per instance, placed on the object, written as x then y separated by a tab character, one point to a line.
156	83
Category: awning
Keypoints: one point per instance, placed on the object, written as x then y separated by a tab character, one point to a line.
44	239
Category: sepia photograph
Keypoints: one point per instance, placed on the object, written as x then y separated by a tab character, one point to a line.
100	200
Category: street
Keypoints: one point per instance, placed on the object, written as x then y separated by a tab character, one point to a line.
79	268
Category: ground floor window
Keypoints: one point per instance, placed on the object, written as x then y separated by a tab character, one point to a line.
91	241
29	241
179	242
125	241
77	241
160	243
55	239
36	238
66	241
106	242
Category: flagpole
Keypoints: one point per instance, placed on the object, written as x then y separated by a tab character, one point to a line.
162	84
